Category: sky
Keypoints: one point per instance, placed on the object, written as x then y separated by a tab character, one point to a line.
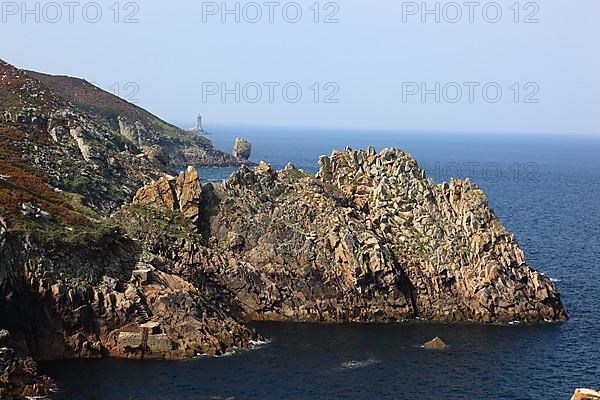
480	67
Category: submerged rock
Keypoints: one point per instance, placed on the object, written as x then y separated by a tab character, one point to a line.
436	344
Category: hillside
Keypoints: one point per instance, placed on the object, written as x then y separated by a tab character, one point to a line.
178	148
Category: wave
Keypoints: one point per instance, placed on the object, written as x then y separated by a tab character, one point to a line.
258	344
355	364
254	345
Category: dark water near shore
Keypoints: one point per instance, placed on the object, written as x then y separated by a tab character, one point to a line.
545	189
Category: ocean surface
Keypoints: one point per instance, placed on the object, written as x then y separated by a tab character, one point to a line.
545	189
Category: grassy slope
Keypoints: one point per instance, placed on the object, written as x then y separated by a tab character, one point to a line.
109	107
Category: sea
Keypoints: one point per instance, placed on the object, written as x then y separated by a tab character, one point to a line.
544	188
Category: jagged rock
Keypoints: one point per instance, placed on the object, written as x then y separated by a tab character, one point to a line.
436	344
182	193
586	394
19	377
3	232
59	133
189	191
242	149
160	194
371	238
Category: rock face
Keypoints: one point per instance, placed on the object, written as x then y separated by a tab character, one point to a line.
168	193
369	239
143	301
242	149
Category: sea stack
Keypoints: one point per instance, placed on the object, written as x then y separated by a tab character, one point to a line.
241	149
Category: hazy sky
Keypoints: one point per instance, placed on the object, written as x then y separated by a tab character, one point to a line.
371	61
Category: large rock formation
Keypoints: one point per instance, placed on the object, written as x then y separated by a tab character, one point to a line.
242	149
370	238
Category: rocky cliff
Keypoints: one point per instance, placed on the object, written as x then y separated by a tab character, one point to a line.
72	284
370	238
104	253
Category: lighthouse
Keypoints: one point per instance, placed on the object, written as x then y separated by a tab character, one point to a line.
199	127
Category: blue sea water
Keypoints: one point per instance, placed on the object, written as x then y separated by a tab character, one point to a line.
545	189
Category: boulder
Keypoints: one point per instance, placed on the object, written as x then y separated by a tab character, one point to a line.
242	149
29	210
586	394
153	327
128	341
436	344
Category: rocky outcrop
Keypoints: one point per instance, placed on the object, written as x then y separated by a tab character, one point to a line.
86	300
20	378
373	239
242	149
369	239
169	193
19	375
586	394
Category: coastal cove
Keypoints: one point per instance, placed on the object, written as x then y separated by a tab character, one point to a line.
108	253
555	220
357	361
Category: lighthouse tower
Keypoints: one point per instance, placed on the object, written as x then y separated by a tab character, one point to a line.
199	127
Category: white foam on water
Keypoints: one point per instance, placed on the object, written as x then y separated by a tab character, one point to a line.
258	344
355	364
